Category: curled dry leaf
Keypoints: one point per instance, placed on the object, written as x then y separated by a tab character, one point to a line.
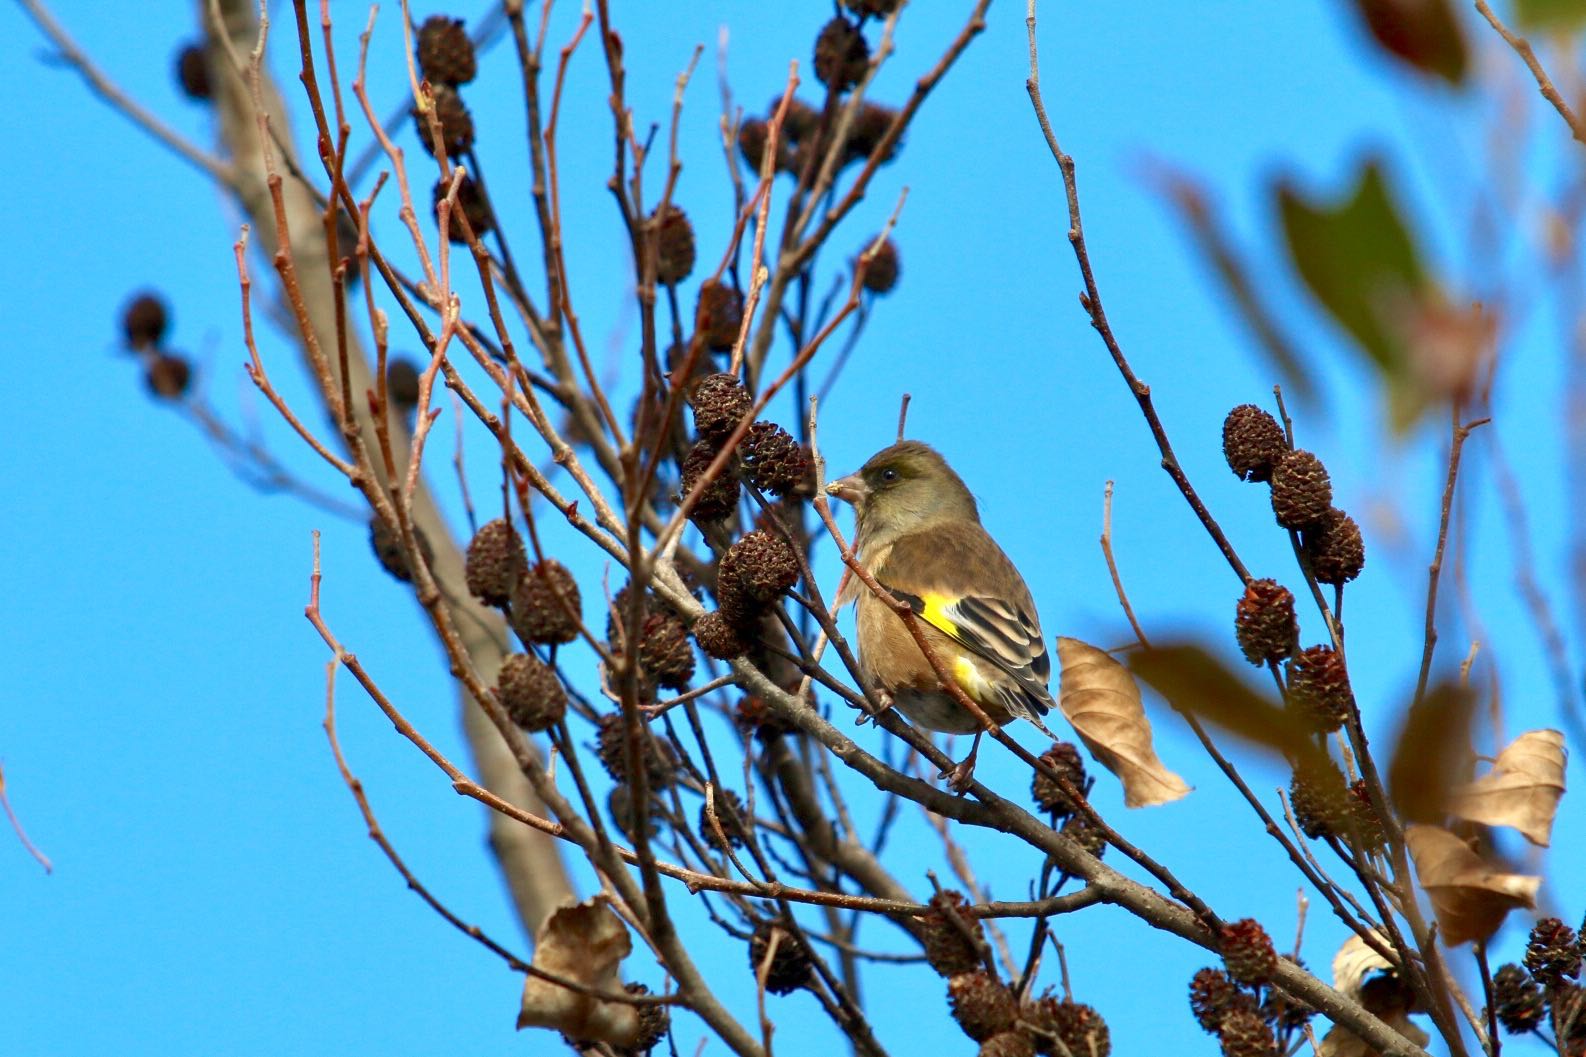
1354	963
1522	790
1365	976
1102	702
584	943
1470	897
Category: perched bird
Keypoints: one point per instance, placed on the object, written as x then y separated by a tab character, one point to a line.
918	533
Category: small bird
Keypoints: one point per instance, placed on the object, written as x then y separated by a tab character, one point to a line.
918	533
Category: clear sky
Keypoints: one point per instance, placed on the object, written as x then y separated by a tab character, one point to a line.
160	731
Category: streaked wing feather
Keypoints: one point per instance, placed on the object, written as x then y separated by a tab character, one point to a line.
1003	631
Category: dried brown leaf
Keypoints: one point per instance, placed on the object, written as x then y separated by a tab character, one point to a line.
1430	757
1354	963
1102	702
1522	790
1469	896
1195	680
584	943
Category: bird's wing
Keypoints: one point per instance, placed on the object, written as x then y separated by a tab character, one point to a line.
958	580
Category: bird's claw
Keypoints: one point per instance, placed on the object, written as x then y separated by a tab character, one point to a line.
960	776
884	703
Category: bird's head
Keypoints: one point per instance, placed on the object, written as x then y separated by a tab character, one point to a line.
902	489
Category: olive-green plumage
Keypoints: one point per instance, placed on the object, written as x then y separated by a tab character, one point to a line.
919	534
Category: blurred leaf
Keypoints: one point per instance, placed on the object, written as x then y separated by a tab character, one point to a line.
584	943
1522	790
1194	680
1423	33
1431	754
1102	703
1210	237
1550	14
1357	257
1470	897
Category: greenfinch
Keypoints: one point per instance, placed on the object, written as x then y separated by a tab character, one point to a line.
918	533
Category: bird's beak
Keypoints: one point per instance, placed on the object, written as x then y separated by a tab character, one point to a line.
850	489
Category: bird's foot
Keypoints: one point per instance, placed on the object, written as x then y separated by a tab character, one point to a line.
884	703
962	774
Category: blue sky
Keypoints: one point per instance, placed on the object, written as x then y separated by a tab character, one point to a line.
213	888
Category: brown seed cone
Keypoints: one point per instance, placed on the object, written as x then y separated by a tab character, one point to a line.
402	383
1567	1004
674	245
719	403
470	202
168	376
1248	952
613	753
790	966
1008	1044
386	541
654	1022
619	805
192	73
1253	442
876	8
772	460
1552	951
882	275
1335	549
757	569
731	814
1079	830
445	53
841	54
666	652
801	121
1321	800
1264	622
1517	999
1301	490
753	135
718	315
457	124
953	937
983	1005
1063	758
530	692
1067	1027
1284	1012
143	321
716	500
546	606
494	562
1319	688
1246	1035
719	638
866	132
754	716
1213	995
1368	828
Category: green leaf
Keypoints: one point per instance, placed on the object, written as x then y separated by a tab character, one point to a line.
1424	34
1550	15
1357	257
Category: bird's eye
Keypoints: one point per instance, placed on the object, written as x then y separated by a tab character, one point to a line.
889	475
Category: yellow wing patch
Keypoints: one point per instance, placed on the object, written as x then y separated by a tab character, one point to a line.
935	613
